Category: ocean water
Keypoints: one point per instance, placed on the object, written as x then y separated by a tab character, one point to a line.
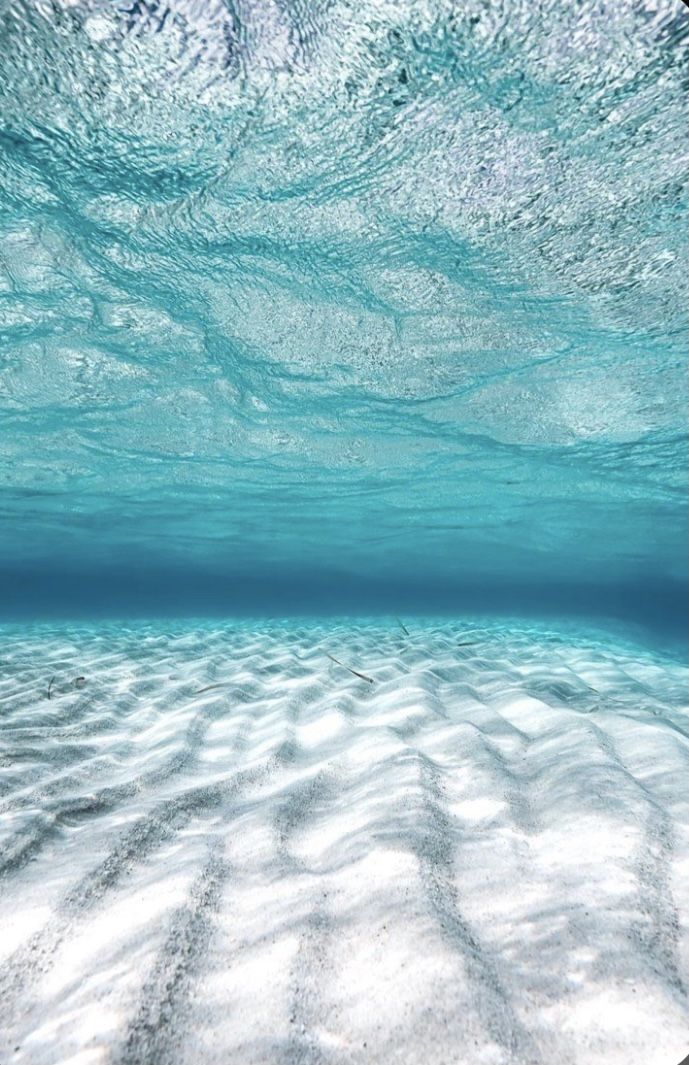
343	532
343	308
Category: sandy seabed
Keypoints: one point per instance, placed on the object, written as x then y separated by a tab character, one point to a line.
220	845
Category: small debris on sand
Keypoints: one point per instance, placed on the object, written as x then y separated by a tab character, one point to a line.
352	671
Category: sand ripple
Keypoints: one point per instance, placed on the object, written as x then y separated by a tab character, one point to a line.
220	845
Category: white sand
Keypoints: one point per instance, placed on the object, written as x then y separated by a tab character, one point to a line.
480	857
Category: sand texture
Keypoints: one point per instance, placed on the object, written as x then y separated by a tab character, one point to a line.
220	845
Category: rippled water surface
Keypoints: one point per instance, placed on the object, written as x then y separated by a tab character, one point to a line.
330	288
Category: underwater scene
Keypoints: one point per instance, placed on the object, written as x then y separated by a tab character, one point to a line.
344	555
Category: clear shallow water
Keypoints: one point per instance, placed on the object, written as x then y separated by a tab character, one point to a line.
319	308
334	306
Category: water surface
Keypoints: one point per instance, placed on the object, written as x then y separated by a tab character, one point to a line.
298	296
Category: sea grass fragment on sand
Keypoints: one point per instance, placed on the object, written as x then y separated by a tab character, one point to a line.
354	672
403	627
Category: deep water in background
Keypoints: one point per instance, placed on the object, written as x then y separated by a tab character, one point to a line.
332	306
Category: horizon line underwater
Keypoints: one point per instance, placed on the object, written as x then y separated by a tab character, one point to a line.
344	532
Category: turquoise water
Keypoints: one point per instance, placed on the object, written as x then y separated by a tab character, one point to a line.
320	306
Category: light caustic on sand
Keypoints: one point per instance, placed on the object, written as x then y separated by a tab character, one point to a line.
222	845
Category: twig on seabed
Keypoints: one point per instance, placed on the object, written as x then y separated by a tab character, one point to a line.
209	688
353	671
50	685
403	627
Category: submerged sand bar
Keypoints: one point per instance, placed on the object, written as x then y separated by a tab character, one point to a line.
220	845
